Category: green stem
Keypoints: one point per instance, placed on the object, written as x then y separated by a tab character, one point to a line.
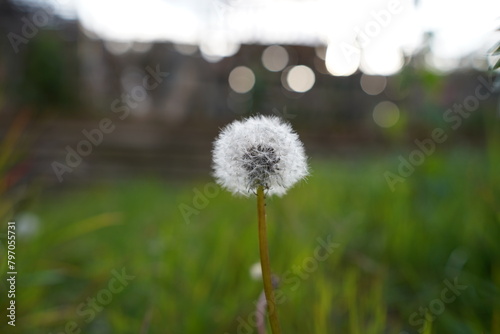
265	263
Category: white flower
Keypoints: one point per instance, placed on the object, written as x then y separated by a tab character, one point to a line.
256	271
258	151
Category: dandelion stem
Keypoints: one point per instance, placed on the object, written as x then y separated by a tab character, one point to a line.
265	263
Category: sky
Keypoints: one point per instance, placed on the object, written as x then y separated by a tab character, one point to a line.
373	35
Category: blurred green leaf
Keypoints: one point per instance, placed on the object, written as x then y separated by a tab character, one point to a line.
89	225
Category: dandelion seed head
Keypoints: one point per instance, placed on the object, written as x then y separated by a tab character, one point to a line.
258	151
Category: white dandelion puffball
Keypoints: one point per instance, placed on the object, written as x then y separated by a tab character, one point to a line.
258	151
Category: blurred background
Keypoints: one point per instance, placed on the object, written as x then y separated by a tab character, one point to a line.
108	111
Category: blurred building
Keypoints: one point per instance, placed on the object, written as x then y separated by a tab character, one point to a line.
167	101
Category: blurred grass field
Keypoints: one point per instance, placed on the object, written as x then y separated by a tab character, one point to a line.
395	252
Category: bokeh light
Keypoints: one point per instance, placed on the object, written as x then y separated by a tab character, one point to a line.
300	78
275	58
216	46
386	114
118	47
342	59
241	79
320	52
186	49
373	85
380	59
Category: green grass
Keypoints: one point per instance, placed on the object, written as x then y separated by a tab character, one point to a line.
394	252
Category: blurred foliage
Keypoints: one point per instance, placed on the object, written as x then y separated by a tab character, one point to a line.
14	166
47	78
396	251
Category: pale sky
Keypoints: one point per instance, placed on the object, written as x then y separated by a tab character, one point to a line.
385	29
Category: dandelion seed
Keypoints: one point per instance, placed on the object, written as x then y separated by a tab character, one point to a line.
259	151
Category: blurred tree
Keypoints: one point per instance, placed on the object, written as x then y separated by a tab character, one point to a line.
40	73
46	81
